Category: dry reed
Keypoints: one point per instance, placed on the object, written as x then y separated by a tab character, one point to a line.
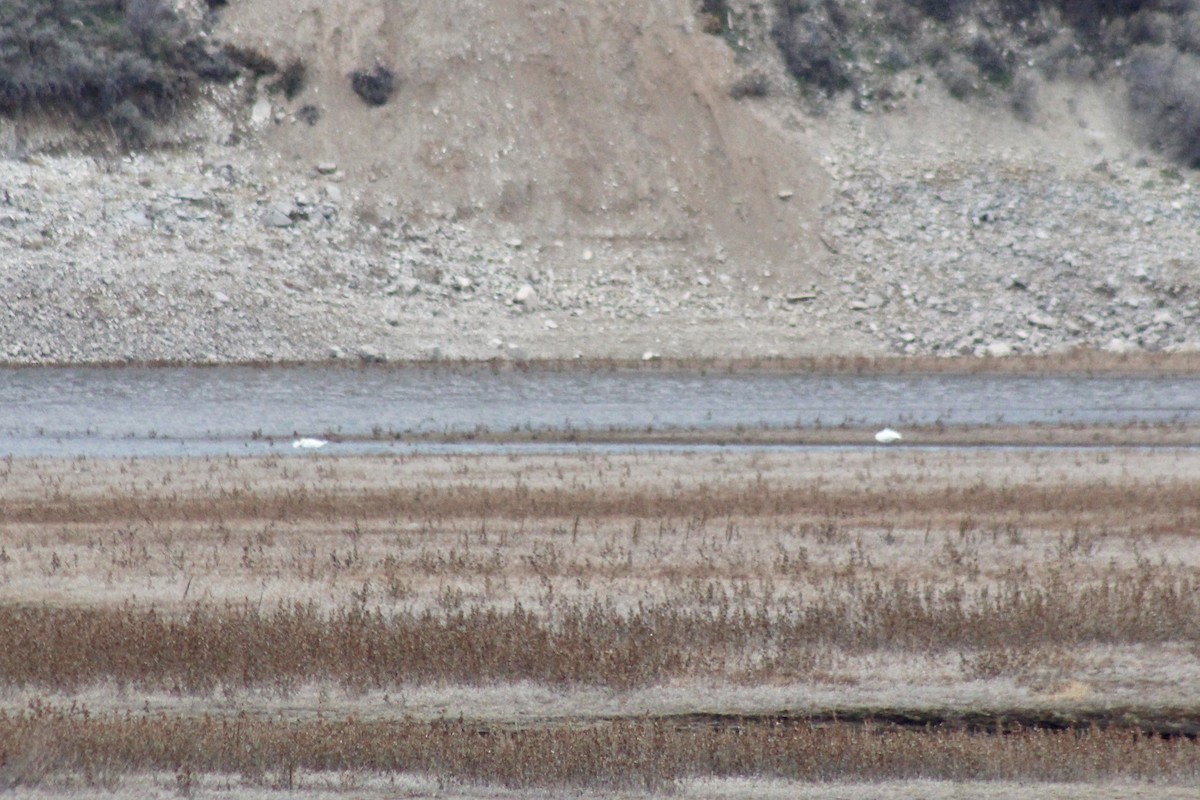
641	753
1166	505
588	642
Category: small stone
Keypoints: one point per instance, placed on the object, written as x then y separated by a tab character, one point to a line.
370	355
588	255
462	283
1117	345
274	218
404	285
1042	321
524	294
550	325
515	243
800	297
998	350
785	194
871	301
190	194
650	355
220	299
1163	317
703	281
260	112
138	217
327	167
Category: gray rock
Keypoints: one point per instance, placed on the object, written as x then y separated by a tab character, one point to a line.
138	217
370	355
1045	321
191	194
524	294
1119	345
274	218
260	112
404	285
870	302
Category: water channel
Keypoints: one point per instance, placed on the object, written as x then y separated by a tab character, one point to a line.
246	410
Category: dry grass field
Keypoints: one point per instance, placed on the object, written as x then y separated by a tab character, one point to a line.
887	622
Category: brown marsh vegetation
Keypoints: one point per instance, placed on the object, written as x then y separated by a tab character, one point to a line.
605	621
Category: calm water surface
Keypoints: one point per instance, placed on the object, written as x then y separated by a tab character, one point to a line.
134	411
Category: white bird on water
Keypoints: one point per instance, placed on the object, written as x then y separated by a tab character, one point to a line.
309	444
888	436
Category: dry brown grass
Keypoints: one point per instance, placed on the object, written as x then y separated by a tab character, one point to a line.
1166	503
243	647
227	581
646	754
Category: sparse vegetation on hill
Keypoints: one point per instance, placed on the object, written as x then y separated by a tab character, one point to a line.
127	63
997	49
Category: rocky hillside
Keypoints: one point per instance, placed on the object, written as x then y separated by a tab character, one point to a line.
627	179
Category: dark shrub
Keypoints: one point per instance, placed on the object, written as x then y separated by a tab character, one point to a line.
753	85
152	22
714	16
251	60
130	124
1165	92
958	76
813	53
1024	99
292	79
942	10
993	63
375	87
310	114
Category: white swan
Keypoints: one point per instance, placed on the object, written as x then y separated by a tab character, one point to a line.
309	444
888	436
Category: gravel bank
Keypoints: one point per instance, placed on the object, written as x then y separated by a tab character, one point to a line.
223	254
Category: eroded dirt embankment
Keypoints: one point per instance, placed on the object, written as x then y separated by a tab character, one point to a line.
580	182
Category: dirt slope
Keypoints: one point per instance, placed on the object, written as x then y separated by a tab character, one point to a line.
561	180
605	120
